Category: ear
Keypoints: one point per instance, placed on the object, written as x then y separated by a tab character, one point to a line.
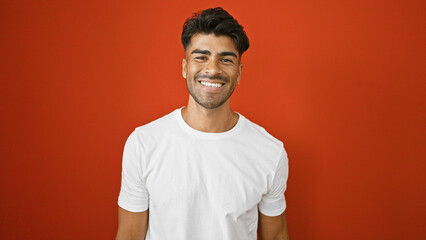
184	68
240	71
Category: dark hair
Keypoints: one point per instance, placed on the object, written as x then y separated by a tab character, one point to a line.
217	21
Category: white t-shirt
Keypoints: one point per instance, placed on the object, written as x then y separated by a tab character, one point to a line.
200	185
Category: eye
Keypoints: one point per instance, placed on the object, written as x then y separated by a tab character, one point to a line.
227	60
201	58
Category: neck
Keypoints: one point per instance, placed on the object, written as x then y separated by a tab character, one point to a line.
216	120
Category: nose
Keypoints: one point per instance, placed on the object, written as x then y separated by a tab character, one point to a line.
212	67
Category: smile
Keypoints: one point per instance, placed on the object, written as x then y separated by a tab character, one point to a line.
210	84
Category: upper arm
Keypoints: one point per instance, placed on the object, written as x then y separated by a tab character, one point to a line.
133	199
132	225
273	228
273	202
134	195
272	215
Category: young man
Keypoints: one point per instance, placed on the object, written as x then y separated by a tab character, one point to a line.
204	171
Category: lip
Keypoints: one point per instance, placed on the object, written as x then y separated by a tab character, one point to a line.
210	81
211	89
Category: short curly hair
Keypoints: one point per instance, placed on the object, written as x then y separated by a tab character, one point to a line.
217	21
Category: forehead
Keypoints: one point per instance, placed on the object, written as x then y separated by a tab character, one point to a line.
212	43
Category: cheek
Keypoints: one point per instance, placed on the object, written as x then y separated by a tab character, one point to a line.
194	68
232	72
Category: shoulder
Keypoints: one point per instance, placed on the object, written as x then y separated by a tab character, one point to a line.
259	132
159	125
157	128
259	136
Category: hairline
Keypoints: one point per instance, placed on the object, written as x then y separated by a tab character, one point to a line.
239	55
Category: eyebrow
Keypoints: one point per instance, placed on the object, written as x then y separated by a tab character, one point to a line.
207	52
223	54
199	51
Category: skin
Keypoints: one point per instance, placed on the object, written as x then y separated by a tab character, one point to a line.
273	228
131	225
213	59
208	109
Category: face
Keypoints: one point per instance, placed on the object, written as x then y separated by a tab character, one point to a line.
212	69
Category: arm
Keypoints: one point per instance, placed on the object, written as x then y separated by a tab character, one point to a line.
131	225
273	228
134	196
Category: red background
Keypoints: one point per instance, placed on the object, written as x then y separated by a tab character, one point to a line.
342	83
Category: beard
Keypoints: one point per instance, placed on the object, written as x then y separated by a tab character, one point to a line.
209	100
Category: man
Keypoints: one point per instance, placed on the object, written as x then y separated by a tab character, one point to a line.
204	171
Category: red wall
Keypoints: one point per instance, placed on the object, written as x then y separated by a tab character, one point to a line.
342	83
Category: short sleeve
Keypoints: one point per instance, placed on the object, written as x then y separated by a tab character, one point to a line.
134	196
273	202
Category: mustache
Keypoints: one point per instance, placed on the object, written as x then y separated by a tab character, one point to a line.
212	77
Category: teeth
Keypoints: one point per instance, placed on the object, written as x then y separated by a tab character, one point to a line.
208	84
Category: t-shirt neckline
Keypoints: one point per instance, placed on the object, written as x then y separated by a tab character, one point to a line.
208	135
